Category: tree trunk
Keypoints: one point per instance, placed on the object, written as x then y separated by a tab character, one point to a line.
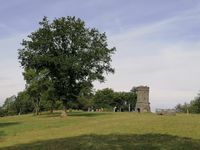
114	109
20	110
52	107
37	107
37	111
64	112
129	107
89	109
51	110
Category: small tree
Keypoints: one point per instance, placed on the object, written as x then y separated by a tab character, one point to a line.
74	55
9	105
37	83
104	98
48	97
195	105
23	103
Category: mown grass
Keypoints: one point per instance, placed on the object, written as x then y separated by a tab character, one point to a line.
100	131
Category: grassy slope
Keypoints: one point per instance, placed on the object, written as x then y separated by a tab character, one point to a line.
100	131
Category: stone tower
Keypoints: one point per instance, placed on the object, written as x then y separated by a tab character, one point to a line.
142	104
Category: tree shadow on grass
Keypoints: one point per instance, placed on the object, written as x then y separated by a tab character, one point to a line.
6	124
87	114
1	134
75	114
48	114
112	142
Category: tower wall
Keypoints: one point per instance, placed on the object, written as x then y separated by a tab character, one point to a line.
142	104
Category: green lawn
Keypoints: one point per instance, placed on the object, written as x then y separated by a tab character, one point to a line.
90	131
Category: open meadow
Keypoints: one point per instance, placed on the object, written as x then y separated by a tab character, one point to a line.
81	130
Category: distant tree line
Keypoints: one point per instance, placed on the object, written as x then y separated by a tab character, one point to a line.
192	107
100	100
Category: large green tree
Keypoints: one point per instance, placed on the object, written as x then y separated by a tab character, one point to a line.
73	54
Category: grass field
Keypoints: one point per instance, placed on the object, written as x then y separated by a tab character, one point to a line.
90	131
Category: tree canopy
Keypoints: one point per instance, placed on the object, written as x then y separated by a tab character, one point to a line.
73	55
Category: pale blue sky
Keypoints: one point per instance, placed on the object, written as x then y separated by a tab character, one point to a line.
157	41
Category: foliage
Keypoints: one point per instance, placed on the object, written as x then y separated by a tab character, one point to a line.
87	100
37	85
120	101
16	105
74	55
104	98
192	107
195	105
2	112
9	106
23	103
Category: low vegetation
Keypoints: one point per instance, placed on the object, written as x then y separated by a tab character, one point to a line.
192	107
81	130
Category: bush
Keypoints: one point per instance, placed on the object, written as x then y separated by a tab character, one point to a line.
2	112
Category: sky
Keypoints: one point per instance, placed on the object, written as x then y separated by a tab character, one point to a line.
157	42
